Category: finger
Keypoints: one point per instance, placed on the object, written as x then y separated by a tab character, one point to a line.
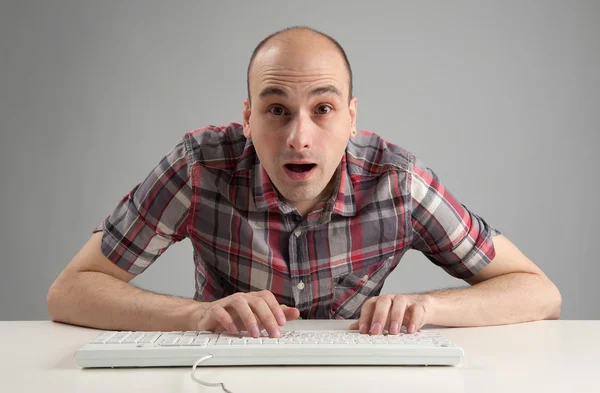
265	315
260	325
273	304
221	315
242	308
366	312
423	320
423	317
239	323
353	326
416	315
291	313
380	315
397	314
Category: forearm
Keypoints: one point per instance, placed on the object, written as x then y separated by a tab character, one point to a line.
98	300
511	298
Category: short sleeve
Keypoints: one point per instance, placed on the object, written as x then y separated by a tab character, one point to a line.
152	216
444	230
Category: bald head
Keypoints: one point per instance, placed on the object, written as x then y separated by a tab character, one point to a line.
299	38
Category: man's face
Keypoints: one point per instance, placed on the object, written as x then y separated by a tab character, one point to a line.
300	119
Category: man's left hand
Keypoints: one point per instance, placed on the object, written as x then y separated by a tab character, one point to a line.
391	312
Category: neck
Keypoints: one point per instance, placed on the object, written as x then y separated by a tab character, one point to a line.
305	207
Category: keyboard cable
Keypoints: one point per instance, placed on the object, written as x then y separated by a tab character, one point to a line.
209	384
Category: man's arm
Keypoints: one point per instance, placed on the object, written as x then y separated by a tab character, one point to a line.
92	291
510	289
507	287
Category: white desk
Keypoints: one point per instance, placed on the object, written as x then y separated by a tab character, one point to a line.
544	356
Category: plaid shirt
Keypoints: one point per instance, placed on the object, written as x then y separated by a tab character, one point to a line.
211	189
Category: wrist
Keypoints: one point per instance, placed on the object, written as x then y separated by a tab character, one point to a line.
429	303
196	316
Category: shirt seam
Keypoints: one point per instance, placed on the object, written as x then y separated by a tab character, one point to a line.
192	164
411	206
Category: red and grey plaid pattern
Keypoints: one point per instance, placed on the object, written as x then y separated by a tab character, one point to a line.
211	189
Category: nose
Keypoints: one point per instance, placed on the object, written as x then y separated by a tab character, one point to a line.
300	136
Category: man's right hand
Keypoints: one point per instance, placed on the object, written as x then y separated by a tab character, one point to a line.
252	311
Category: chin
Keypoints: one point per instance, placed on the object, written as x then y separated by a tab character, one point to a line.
300	195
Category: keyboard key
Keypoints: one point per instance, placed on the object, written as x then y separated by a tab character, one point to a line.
168	340
253	341
200	342
286	340
169	344
185	340
119	338
150	339
269	341
104	337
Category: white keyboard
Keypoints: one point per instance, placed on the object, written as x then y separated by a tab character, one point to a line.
295	347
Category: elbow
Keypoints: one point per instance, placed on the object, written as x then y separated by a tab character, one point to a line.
53	302
555	302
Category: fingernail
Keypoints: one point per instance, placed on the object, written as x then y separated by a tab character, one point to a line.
412	328
281	319
363	328
394	327
232	328
275	331
254	331
376	328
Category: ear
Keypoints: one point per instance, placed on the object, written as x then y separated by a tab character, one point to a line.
246	116
352	110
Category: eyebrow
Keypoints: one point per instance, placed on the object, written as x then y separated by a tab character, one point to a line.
276	91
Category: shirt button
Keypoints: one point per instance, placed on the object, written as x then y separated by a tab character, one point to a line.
300	285
365	277
298	233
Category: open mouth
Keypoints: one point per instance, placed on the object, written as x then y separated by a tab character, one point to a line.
299	168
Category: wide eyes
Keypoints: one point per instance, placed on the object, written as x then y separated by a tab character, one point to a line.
324	109
278	110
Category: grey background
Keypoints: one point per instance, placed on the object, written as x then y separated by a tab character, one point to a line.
501	99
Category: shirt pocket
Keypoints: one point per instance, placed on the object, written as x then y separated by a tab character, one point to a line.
350	290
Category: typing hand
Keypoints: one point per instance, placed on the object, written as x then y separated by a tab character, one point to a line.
391	312
252	311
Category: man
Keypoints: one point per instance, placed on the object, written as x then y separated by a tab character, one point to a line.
296	214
